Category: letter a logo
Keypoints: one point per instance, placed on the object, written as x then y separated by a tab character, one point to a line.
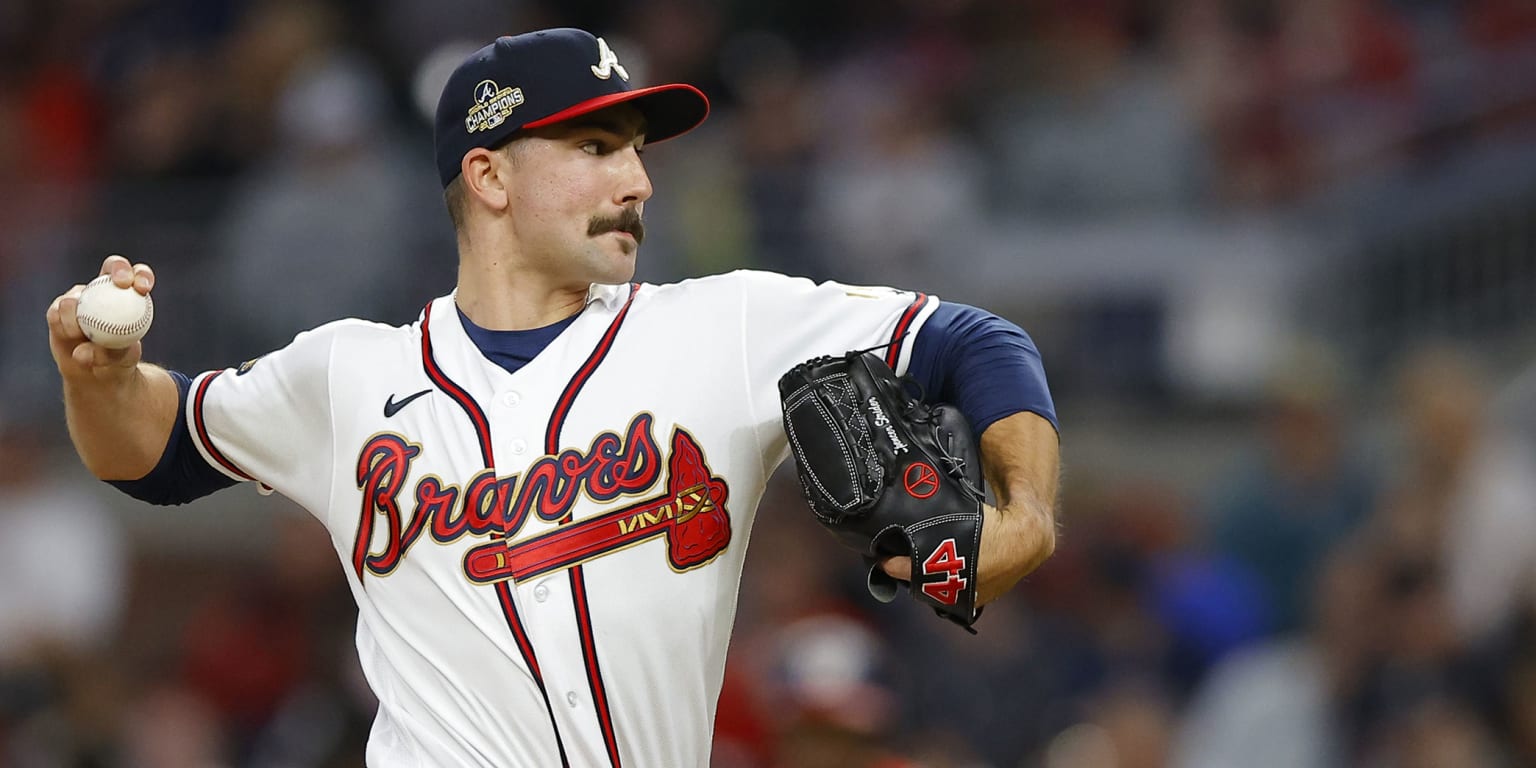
607	62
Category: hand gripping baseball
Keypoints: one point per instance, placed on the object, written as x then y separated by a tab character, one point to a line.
889	475
103	341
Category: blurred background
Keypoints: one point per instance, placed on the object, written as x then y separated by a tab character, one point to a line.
1279	257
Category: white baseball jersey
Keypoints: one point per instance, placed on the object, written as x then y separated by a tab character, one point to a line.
545	562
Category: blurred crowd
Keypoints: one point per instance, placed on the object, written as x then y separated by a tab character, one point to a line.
1337	567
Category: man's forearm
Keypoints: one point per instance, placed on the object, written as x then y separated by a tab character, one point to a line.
120	426
1020	456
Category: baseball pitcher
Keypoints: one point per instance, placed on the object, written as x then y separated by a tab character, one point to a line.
540	490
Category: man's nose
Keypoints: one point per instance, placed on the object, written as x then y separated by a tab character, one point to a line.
637	183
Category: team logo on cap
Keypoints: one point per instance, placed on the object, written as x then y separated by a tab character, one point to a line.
493	105
607	62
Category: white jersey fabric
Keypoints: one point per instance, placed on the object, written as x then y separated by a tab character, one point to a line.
623	464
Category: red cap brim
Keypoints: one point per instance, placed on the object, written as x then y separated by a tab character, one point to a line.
670	110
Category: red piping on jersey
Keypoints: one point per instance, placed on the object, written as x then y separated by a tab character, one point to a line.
509	610
483	433
471	408
563	406
898	336
594	674
202	428
578	582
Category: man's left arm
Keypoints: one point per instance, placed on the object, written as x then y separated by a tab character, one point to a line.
991	370
1021	458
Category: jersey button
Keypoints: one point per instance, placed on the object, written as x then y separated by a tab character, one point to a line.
519	446
511	399
570	698
541	593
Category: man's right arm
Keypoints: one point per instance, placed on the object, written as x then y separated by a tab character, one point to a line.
120	410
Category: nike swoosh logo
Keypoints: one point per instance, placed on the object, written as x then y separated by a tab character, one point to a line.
391	407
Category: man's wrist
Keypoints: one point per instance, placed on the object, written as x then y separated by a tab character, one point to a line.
1021	538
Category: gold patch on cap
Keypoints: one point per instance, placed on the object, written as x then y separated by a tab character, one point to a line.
493	105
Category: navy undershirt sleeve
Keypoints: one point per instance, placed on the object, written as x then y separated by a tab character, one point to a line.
984	365
182	475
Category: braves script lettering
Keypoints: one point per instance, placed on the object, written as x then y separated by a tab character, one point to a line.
611	467
689	515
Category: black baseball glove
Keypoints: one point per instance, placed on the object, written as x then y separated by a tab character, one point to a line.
889	475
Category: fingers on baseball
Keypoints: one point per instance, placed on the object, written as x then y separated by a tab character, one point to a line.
143	278
124	274
62	321
96	357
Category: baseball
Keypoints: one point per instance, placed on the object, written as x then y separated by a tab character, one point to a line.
111	316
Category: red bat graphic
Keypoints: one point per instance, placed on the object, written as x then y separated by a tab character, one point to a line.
691	516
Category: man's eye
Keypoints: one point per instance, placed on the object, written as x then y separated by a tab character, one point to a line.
592	147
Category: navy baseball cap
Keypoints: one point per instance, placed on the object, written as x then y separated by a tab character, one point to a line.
539	78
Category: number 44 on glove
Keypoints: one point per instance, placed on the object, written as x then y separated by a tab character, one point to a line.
889	476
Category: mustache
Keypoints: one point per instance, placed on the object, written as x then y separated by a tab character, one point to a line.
626	221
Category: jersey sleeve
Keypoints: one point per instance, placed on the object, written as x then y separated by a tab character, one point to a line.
985	365
269	420
788	320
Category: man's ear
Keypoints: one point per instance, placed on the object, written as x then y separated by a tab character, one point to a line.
484	178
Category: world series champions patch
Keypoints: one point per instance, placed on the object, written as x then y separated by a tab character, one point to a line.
493	105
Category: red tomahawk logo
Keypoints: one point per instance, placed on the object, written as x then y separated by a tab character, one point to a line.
691	516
